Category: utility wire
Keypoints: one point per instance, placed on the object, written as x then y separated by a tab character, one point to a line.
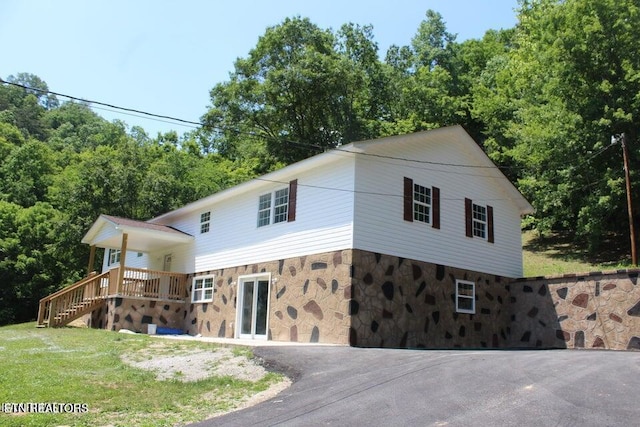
131	110
370	193
193	124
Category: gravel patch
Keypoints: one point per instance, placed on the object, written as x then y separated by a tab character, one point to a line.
194	365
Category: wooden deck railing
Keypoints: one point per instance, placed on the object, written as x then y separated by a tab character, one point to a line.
86	295
138	282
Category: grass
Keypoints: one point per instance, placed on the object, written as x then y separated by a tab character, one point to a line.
555	254
69	365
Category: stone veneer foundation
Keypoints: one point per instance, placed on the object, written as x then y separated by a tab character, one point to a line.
360	298
308	302
135	314
404	303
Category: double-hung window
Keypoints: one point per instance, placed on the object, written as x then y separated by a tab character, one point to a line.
202	290
114	256
479	221
205	222
273	207
264	210
421	203
465	297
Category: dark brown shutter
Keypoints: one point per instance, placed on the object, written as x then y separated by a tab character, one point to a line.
293	198
490	224
435	203
408	199
468	215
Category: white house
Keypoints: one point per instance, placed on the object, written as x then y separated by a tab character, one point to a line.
357	245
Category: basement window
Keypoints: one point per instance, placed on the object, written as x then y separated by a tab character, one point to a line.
465	297
202	290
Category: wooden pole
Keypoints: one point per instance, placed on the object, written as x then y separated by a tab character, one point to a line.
632	234
123	256
92	257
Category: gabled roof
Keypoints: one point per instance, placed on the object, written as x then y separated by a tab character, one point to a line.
363	148
142	235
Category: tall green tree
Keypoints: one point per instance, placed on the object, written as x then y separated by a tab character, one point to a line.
553	102
301	90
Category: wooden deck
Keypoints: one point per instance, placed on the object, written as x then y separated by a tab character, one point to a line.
90	293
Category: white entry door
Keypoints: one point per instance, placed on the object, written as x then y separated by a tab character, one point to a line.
253	307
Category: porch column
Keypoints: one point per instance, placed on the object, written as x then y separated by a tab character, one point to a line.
123	256
92	258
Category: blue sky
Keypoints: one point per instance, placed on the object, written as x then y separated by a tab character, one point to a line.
164	56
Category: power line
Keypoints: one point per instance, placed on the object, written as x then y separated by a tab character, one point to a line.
370	193
193	124
131	110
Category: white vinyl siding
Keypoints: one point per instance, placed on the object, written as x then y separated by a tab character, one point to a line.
133	260
379	225
324	222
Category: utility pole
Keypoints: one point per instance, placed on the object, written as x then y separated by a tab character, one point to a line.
632	235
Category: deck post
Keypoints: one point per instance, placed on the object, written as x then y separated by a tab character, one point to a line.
92	257
123	256
51	317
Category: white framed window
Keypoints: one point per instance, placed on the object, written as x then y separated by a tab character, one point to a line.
479	221
465	297
205	222
114	256
421	203
264	210
280	205
202	289
273	205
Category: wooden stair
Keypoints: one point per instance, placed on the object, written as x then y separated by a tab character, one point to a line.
72	302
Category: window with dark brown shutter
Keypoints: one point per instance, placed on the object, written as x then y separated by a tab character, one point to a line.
293	198
478	220
435	203
408	199
490	238
468	216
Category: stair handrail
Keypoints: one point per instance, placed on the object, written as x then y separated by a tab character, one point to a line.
45	305
92	276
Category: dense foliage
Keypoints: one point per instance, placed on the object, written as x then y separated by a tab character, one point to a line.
543	99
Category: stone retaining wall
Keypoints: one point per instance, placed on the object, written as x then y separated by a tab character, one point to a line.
595	310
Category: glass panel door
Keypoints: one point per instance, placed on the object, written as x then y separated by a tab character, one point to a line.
247	308
254	308
262	299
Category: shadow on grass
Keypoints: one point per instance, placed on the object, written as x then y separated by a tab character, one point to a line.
613	250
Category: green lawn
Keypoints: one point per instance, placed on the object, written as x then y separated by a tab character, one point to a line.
555	254
83	366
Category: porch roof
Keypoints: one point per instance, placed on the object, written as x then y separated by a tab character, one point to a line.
107	231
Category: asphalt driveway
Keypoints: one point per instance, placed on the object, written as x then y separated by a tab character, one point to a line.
376	387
